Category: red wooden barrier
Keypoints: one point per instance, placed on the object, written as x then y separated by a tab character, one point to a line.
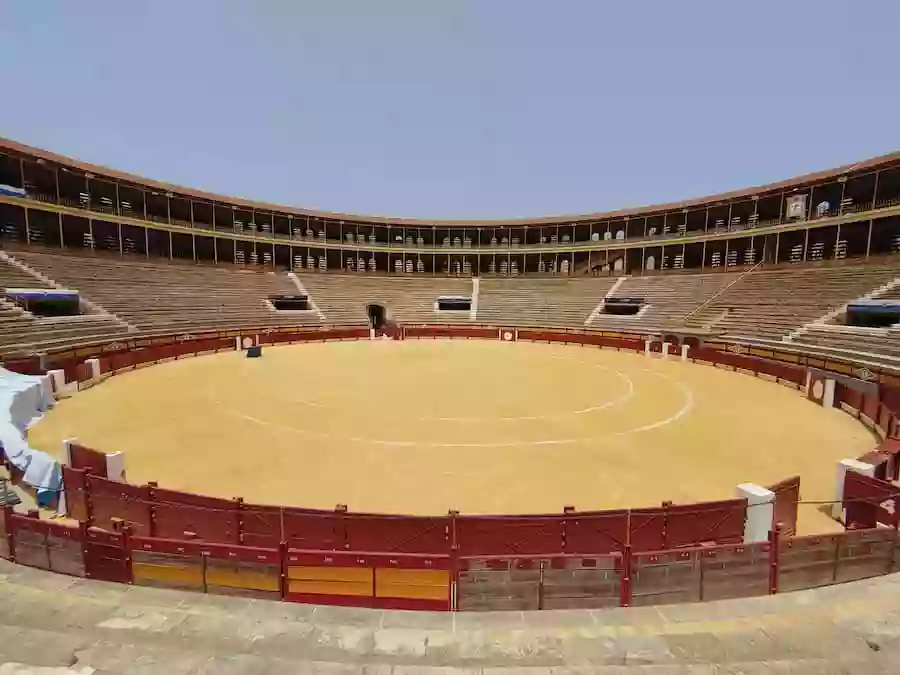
110	501
505	535
106	556
787	496
597	532
869	501
405	534
181	515
88	459
75	485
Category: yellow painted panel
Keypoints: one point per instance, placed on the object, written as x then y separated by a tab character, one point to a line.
245	579
417	592
419	584
782	356
330	587
192	576
839	367
416	577
351	574
760	352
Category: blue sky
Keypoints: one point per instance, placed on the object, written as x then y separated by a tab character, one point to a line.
457	108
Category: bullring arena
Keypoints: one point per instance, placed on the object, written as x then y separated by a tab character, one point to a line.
652	438
424	426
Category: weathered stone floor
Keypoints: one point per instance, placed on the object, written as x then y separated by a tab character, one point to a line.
53	624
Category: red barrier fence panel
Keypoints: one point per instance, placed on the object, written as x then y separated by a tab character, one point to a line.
596	532
581	582
522	583
700	573
106	556
329	578
869	501
462	332
241	570
647	529
85	458
7	546
110	500
870	405
306	529
820	560
260	525
181	515
787	497
509	535
412	581
47	545
849	399
706	522
499	583
400	534
75	486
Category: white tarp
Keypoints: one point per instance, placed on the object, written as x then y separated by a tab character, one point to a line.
23	399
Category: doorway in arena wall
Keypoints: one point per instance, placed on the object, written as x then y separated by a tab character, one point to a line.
377	316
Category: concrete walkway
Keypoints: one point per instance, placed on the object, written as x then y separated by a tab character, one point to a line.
69	625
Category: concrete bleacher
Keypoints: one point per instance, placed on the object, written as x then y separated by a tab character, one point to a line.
21	331
342	298
163	295
770	304
668	299
550	302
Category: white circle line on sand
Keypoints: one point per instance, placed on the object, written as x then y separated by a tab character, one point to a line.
689	401
624	398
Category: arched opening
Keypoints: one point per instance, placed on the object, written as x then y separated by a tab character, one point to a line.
377	316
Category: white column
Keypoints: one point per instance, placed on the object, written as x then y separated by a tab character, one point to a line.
647	347
94	365
665	349
115	466
58	377
828	396
67	450
684	352
760	511
845	465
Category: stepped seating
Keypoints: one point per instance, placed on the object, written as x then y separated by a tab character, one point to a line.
885	341
12	276
20	331
171	296
771	303
540	302
668	299
342	298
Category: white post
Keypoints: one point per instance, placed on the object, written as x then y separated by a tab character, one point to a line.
808	381
665	349
94	365
684	352
67	450
760	511
828	396
59	381
647	347
845	465
237	342
115	466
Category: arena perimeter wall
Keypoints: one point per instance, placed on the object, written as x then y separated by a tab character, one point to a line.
145	534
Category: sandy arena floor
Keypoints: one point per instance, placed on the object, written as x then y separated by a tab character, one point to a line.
484	427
